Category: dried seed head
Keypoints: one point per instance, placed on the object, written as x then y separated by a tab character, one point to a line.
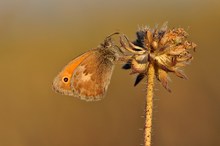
167	49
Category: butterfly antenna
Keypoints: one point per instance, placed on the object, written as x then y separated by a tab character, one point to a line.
108	39
112	34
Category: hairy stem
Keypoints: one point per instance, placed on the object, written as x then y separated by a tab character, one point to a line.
149	106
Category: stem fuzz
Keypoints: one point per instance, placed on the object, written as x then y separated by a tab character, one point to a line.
149	106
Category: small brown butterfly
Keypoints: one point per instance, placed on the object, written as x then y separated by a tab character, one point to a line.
88	75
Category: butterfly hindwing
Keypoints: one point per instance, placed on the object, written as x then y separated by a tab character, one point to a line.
91	78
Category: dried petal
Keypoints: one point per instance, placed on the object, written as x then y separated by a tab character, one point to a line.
149	38
127	65
154	45
180	74
164	40
163	78
185	57
138	67
176	50
139	78
190	45
180	64
164	27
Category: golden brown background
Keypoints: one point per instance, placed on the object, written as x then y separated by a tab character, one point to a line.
38	37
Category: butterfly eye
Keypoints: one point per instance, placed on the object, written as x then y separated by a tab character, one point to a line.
65	79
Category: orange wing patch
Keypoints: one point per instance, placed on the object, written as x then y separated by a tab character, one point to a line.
62	83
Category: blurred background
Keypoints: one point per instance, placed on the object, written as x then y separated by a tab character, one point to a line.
38	37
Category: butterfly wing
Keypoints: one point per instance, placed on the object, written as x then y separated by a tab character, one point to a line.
91	78
61	83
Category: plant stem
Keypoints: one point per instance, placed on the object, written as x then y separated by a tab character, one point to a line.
149	106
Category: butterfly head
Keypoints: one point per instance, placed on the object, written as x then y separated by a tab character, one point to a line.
108	42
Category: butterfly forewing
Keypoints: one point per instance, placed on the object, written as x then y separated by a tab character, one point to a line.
61	83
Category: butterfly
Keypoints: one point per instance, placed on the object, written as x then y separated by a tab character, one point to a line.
88	75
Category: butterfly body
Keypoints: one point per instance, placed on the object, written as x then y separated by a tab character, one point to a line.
88	75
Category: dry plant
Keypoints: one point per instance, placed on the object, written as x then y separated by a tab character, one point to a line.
155	53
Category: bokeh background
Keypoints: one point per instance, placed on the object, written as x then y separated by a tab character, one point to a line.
38	37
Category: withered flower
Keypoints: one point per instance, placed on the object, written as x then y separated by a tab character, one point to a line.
167	49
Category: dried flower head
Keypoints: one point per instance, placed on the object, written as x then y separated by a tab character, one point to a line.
167	49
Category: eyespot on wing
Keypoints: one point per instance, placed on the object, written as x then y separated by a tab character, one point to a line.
61	83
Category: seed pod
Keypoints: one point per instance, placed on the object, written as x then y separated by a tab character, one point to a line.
149	38
164	40
154	45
